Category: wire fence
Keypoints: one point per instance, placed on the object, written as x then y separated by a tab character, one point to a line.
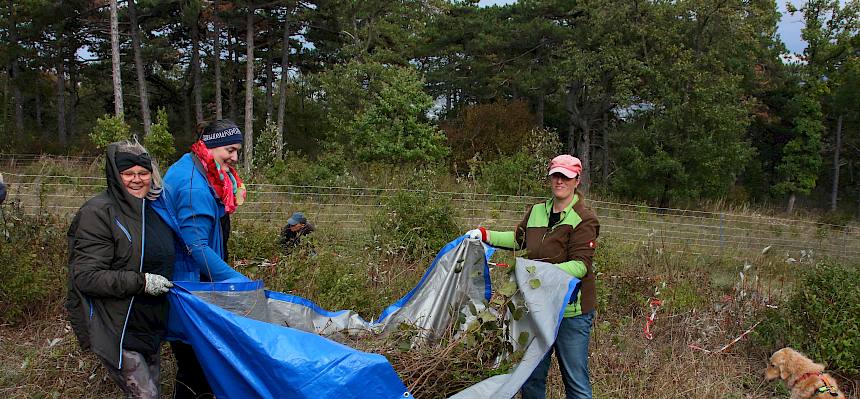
355	208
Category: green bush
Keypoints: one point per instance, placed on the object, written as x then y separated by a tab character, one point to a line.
379	112
250	241
32	263
298	169
109	129
821	318
513	175
265	148
159	143
523	173
416	223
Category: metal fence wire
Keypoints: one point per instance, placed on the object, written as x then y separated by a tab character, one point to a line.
354	208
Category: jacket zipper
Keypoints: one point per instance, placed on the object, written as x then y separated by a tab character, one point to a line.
550	229
140	270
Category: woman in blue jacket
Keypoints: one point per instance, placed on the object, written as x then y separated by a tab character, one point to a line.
201	190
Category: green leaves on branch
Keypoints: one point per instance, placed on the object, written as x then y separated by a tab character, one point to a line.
820	318
159	143
379	112
265	150
690	141
801	155
109	129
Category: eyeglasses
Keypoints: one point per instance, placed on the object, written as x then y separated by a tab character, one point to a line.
145	175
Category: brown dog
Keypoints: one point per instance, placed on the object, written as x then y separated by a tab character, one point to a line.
805	378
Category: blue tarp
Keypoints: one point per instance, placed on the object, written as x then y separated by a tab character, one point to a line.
254	343
246	358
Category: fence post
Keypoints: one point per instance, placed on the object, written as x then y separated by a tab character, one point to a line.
41	195
722	236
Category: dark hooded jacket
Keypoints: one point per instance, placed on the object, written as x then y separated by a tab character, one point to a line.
106	303
2	192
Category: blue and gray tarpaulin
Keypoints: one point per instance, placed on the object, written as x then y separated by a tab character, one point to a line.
254	343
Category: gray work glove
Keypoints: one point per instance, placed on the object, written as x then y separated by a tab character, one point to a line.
475	234
156	284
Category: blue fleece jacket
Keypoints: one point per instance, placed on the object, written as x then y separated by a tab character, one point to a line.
191	209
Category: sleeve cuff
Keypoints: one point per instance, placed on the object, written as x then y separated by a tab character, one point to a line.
484	236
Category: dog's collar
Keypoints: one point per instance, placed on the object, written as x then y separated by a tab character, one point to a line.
805	376
832	390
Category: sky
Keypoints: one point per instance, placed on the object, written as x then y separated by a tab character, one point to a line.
788	29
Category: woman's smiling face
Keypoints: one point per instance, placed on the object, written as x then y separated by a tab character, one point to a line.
226	155
136	180
562	186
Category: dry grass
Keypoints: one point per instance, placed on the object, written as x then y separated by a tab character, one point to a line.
43	360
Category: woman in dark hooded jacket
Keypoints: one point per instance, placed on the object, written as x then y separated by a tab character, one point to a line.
120	254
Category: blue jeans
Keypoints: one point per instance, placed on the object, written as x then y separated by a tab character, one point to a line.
571	349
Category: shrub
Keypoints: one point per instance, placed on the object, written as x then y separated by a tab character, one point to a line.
379	112
836	218
523	173
298	169
109	129
513	175
821	318
32	270
416	223
478	127
159	143
265	149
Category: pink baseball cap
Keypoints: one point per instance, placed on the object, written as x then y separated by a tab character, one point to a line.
567	165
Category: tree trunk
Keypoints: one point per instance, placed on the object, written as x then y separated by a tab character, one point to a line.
577	119
584	155
539	109
138	66
834	192
249	90
75	98
7	88
569	102
270	85
216	61
195	68
39	124
282	98
663	204
13	72
791	199
605	171
114	46
186	114
61	93
233	78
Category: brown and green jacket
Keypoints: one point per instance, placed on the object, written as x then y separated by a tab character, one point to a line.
569	244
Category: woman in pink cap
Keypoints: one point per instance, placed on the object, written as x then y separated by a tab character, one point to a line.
563	231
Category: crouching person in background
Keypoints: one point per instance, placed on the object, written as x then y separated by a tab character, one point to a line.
120	252
297	227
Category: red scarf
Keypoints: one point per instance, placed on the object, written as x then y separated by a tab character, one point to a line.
225	180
